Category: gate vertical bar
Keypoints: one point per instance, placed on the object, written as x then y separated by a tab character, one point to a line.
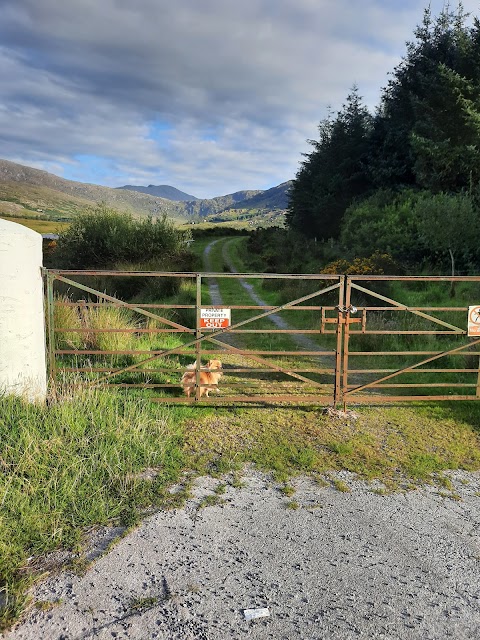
50	326
346	339
338	355
478	379
198	346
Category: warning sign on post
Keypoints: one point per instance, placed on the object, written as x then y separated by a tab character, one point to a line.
214	318
474	321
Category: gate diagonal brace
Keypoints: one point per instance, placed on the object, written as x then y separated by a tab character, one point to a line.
217	333
271	366
414	366
121	303
403	307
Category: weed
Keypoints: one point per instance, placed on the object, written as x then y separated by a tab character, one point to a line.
287	490
210	501
445	482
220	489
341	486
79	566
380	491
142	604
236	481
292	505
47	605
450	496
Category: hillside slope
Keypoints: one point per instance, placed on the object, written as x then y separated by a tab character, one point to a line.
161	191
271	199
26	192
204	208
34	189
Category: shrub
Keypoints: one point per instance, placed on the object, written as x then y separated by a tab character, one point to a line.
102	237
377	264
385	222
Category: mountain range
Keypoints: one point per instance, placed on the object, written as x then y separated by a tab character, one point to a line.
161	191
25	191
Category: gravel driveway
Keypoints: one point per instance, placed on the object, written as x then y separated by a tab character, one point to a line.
340	566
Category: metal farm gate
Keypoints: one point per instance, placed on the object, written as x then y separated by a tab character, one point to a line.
339	339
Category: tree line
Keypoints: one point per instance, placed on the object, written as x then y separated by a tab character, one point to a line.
405	180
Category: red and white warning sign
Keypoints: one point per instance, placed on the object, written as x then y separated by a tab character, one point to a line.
474	321
215	318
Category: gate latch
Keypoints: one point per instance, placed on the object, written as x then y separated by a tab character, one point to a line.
343	318
350	309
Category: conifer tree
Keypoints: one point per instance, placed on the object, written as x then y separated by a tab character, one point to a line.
333	174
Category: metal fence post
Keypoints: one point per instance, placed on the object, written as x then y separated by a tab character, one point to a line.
478	379
50	325
198	345
346	339
338	355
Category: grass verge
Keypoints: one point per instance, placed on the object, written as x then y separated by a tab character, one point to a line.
72	465
98	457
395	444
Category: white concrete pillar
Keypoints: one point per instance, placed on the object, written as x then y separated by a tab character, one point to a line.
22	319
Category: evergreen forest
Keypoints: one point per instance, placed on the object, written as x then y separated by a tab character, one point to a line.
398	190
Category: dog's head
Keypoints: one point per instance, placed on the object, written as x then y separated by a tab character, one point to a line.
214	364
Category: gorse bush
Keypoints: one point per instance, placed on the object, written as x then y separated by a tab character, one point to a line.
376	264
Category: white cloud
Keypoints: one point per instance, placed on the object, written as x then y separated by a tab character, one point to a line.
236	88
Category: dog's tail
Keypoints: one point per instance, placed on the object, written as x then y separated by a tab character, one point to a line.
188	376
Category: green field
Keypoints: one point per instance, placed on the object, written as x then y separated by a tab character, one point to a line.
41	226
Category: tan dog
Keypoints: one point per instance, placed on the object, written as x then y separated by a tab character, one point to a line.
209	375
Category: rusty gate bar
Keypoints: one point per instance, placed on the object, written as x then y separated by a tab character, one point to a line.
356	392
200	336
350	384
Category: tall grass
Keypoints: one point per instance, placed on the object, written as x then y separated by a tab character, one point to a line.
106	327
80	318
74	464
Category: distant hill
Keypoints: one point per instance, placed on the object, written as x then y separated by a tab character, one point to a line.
28	192
34	191
274	198
204	208
161	191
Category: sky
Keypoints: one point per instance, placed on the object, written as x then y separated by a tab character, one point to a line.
209	96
